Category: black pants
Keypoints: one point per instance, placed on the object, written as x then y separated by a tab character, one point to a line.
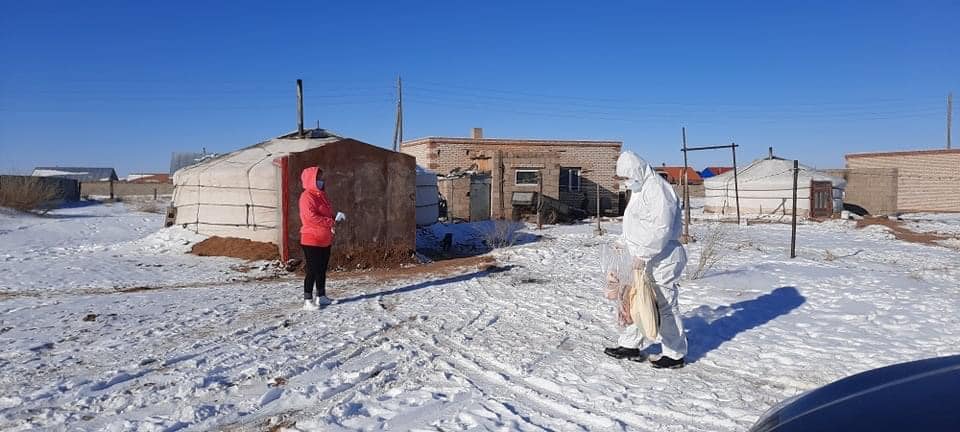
316	259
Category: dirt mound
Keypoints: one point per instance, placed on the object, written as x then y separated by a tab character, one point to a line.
436	268
901	232
371	258
236	248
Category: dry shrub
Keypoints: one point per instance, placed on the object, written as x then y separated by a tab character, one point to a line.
28	194
710	250
829	256
503	233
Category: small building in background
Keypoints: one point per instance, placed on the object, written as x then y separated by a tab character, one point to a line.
479	177
674	175
156	178
766	188
904	181
253	193
179	160
79	174
714	171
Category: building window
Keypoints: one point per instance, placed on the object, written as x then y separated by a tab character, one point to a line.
569	179
526	177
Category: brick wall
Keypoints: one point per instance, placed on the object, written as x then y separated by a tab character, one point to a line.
874	189
600	157
696	191
502	189
926	180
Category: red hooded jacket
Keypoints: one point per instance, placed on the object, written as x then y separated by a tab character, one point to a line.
316	216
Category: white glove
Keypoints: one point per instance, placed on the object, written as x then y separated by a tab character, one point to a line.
340	217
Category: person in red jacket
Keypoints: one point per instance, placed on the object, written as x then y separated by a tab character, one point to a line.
317	223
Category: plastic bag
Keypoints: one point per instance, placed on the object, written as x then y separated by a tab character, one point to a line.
617	265
628	282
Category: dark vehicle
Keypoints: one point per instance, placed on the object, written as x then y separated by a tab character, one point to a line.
922	395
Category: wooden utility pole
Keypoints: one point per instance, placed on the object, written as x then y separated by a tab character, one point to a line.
300	108
949	117
686	193
540	200
736	183
599	228
398	128
793	229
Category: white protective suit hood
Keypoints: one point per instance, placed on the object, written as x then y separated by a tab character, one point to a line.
652	217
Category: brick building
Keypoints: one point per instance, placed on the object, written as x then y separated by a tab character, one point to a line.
906	181
571	170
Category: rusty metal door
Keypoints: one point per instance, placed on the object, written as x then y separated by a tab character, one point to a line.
479	198
821	199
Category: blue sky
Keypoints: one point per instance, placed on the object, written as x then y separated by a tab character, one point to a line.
124	84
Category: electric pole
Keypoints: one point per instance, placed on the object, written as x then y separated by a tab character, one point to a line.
949	117
398	128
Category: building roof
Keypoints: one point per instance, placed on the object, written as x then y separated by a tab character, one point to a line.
510	141
904	153
77	173
675	174
260	153
149	178
770	174
719	170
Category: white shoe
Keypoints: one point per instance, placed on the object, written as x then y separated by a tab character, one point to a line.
324	301
309	305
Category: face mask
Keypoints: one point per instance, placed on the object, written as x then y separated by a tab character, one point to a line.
320	184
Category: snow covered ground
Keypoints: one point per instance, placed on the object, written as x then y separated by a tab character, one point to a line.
518	348
100	247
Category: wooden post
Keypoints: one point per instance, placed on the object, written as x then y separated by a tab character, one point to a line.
154	194
540	200
736	184
793	229
599	228
111	189
300	108
686	194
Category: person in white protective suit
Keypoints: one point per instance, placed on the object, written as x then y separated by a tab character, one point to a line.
651	231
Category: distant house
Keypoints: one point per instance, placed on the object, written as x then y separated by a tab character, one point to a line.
904	181
148	178
674	175
180	160
714	171
482	176
78	174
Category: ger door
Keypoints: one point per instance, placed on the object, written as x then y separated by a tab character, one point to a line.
821	199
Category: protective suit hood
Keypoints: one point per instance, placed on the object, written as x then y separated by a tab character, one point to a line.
635	169
652	217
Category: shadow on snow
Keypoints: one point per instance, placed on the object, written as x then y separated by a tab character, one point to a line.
707	328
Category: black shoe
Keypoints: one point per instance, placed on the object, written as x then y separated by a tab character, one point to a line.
625	353
665	362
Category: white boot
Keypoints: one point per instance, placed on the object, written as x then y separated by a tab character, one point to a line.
309	305
323	301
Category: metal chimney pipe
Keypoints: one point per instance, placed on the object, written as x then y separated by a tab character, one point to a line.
770	150
300	108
